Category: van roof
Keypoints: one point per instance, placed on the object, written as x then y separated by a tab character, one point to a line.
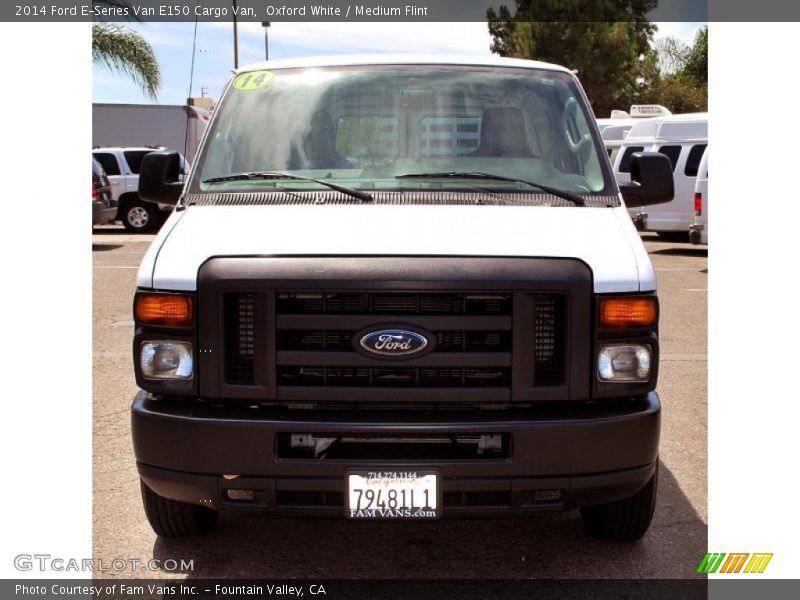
400	59
689	127
617	132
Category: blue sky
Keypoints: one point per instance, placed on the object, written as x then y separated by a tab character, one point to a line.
214	56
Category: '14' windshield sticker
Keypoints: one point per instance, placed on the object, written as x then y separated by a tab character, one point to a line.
254	80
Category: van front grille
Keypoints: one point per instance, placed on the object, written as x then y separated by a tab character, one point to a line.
314	339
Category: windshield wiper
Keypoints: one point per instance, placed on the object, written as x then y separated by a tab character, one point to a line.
363	196
574	198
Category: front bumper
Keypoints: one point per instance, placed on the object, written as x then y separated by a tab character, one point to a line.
588	455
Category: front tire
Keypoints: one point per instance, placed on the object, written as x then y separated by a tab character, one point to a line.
140	217
173	519
624	520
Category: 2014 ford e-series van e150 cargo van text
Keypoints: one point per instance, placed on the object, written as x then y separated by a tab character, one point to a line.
399	288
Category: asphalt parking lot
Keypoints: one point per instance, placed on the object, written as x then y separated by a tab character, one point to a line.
544	546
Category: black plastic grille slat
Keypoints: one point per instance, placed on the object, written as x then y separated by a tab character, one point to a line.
399	377
472	499
239	311
549	340
396	447
296	498
314	340
393	303
341	341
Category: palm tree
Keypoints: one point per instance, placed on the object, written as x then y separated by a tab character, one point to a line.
125	51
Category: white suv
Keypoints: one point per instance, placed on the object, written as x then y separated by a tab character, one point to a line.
121	164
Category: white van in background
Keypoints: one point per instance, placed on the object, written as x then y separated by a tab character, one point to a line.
683	139
698	232
636	113
614	137
603	123
615	129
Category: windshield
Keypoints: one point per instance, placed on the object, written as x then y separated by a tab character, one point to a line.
366	127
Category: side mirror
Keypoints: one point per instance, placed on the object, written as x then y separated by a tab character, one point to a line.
159	177
651	180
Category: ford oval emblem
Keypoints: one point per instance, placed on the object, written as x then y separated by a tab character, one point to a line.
393	342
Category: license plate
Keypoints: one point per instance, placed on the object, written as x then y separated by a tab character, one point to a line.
393	495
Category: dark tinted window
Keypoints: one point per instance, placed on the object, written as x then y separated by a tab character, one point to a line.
108	162
672	153
134	159
625	163
693	162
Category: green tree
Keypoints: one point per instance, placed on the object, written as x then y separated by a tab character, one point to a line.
606	41
696	68
681	84
677	94
123	50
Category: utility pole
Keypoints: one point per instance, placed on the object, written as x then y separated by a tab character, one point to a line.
265	25
235	39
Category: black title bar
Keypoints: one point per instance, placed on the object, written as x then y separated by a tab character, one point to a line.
364	11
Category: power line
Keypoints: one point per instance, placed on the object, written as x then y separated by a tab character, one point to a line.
189	94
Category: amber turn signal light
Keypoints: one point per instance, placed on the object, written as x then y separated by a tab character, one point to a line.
627	312
171	310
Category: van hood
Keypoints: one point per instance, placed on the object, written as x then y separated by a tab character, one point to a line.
603	238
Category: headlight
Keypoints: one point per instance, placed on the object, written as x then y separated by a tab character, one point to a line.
166	359
624	363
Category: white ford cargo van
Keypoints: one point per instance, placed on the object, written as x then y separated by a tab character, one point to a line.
399	288
683	139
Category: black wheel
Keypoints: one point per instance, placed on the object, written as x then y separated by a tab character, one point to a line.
140	217
173	519
626	519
